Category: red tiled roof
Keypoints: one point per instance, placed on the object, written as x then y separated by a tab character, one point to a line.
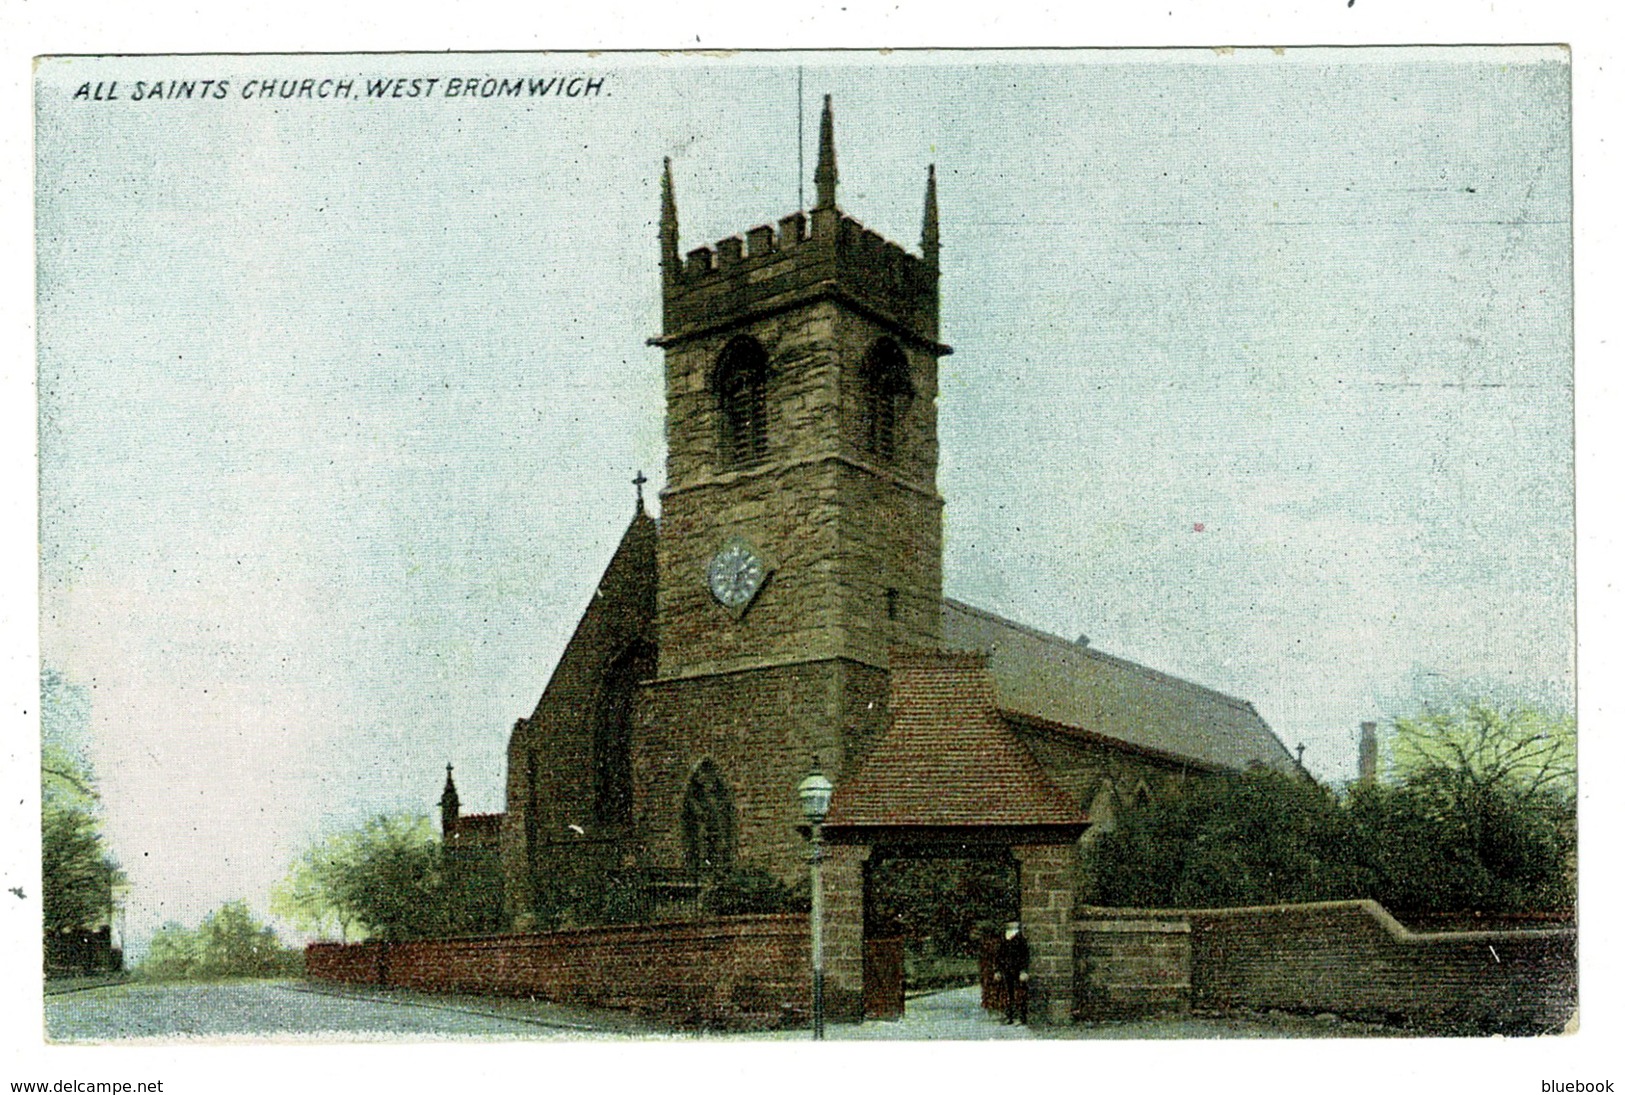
476	829
948	758
480	821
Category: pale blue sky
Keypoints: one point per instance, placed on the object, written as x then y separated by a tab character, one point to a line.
340	401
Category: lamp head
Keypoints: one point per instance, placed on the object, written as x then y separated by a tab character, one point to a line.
815	792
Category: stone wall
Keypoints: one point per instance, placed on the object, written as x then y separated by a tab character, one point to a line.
845	883
551	753
1046	904
1349	958
348	963
732	971
761	730
1130	967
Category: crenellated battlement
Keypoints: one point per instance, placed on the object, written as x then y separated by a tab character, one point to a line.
759	243
808	255
769	267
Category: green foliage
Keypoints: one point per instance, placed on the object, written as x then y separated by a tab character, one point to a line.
1423	853
1483	813
471	896
389	881
1259	838
383	880
754	890
172	955
942	906
76	872
229	943
1480	819
302	896
1466	749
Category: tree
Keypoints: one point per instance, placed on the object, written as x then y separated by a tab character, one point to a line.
1522	750
1481	813
1261	837
1421	852
77	875
383	880
76	872
172	955
941	906
1478	816
303	898
228	943
231	943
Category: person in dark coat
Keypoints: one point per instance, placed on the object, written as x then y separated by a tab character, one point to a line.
1010	963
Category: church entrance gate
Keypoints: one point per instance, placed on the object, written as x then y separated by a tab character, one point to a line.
938	902
1044	856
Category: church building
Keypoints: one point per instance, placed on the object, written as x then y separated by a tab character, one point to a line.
786	608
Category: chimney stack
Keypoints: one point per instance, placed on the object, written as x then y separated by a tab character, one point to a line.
1368	752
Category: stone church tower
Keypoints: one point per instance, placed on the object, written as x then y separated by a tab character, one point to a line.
801	529
800	539
750	631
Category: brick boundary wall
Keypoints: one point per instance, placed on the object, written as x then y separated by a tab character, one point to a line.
1131	966
742	971
1349	958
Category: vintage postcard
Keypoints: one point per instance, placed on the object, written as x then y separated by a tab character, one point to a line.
939	545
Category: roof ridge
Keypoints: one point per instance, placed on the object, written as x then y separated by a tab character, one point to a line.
944	748
1101	655
640	537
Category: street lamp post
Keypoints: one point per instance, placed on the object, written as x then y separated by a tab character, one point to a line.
815	792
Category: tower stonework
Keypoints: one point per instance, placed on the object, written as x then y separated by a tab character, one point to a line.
801	383
751	631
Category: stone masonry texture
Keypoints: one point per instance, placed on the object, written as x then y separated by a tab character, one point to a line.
1349	958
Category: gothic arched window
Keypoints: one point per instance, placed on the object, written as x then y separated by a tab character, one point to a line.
741	388
886	393
1103	809
612	738
708	821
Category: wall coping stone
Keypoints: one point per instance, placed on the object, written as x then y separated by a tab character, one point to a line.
1170	927
1383	918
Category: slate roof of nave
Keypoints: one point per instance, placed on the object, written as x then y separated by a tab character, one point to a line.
1071	687
1068	685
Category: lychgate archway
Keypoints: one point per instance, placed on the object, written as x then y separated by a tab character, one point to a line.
929	914
950	779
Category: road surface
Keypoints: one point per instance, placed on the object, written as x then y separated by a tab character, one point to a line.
252	1010
235	1010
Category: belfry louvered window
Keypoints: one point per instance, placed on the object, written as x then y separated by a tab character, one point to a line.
886	393
741	388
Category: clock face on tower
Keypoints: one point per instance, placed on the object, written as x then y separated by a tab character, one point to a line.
736	574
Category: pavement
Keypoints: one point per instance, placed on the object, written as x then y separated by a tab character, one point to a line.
239	1011
957	1015
953	1014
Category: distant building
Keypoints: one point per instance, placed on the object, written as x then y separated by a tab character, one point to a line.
471	850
